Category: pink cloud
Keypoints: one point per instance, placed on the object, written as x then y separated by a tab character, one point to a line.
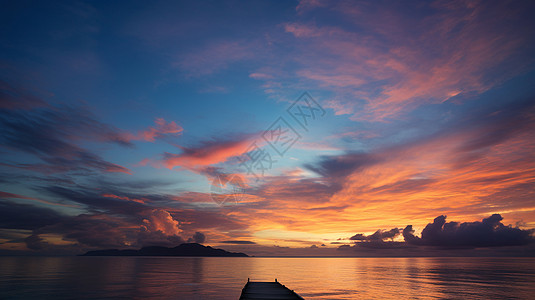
300	30
333	79
17	97
162	221
162	128
415	61
209	153
260	76
124	198
114	168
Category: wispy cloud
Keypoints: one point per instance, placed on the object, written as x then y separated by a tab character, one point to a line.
53	133
161	129
416	60
208	153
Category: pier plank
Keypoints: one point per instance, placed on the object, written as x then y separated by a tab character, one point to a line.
267	291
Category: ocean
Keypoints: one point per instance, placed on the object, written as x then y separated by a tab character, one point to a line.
224	277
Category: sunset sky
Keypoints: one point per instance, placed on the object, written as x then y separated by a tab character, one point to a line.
118	120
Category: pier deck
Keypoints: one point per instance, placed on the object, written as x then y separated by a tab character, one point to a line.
267	290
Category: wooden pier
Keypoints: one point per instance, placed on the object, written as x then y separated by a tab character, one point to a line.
267	291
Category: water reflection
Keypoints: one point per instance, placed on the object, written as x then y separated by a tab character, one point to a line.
223	278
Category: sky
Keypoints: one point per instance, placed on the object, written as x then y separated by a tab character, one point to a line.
268	127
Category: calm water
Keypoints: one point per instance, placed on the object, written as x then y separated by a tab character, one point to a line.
223	278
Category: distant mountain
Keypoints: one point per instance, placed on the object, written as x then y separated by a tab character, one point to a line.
187	249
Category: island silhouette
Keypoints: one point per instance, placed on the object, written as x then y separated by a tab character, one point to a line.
186	249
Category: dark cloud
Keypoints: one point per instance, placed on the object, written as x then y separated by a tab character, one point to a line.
80	162
23	216
306	189
441	236
207	219
380	244
480	129
94	230
344	247
52	134
102	231
136	185
158	238
197	238
379	235
110	222
238	242
14	178
17	97
376	240
35	242
494	125
341	166
96	201
113	219
359	237
490	232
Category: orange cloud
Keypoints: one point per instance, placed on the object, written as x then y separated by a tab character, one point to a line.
209	153
152	133
114	168
472	171
161	220
433	178
416	61
124	198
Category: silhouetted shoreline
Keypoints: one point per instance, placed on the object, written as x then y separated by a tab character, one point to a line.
186	249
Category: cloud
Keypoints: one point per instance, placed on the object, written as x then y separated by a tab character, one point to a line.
479	163
442	238
161	220
162	128
93	200
297	191
260	76
52	134
379	235
92	230
197	238
386	61
125	224
24	216
239	242
157	228
377	240
5	195
208	153
16	97
35	242
490	232
340	166
123	198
